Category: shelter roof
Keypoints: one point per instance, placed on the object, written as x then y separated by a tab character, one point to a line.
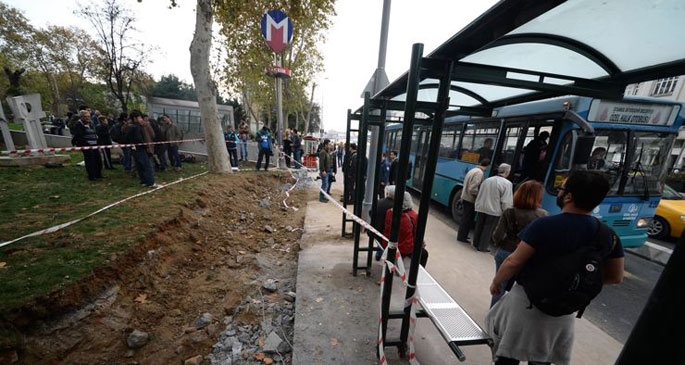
523	50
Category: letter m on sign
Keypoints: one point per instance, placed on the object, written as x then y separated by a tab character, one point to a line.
277	30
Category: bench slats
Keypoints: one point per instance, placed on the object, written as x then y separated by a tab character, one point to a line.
452	321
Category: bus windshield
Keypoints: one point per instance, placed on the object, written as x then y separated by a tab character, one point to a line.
644	172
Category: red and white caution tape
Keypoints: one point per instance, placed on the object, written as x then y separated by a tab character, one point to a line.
85	148
396	268
67	224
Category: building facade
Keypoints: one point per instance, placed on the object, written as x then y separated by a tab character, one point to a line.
186	114
671	88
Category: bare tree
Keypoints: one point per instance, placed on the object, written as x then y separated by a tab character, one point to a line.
122	56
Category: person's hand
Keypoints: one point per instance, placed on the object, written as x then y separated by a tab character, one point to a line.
495	289
323	173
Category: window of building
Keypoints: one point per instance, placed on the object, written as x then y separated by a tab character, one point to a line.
664	86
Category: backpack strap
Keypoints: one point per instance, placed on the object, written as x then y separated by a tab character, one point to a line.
603	233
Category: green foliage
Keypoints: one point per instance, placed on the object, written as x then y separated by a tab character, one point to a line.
15	36
59	61
169	86
248	55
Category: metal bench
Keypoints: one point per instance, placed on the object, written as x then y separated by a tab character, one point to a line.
454	324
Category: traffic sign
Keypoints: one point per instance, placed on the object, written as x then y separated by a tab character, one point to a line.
277	30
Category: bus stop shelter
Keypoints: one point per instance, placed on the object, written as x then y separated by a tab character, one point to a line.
520	51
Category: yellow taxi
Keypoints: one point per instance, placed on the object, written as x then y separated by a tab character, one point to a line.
669	220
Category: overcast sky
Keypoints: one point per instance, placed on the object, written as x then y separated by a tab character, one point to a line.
350	52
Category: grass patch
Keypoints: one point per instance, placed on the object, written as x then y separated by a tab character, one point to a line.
15	126
35	198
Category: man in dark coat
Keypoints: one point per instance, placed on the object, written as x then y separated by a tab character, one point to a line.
84	136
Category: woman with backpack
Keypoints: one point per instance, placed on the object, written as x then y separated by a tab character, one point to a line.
527	202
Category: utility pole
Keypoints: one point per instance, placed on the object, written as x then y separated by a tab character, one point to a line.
378	81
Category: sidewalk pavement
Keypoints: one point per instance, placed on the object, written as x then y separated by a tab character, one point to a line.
337	314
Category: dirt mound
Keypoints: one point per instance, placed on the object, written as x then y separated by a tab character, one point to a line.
206	262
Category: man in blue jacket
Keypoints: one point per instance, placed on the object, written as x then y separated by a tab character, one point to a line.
264	144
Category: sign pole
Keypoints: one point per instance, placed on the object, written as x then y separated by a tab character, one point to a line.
277	30
279	111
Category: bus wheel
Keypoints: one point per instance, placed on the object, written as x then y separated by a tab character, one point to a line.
658	228
457	207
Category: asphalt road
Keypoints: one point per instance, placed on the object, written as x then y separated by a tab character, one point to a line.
617	307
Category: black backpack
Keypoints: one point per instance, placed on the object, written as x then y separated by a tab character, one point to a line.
566	284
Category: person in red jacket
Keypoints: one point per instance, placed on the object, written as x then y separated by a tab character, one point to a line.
408	221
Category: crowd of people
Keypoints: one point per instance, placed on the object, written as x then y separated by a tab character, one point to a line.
155	139
530	247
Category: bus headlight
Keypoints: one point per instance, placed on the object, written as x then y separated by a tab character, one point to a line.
643	222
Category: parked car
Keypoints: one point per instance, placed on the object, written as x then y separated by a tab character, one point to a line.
669	220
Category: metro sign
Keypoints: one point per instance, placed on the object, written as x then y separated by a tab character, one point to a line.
277	30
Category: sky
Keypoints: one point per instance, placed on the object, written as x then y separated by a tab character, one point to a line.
350	51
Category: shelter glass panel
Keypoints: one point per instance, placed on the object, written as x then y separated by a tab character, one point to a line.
538	57
601	24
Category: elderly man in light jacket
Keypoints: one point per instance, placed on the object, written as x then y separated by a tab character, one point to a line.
472	182
495	196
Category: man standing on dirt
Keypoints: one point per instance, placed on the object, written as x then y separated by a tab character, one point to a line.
264	144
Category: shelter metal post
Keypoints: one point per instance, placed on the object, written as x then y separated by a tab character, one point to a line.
346	220
360	180
376	184
405	146
426	191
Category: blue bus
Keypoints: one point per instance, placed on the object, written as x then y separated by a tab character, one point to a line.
628	140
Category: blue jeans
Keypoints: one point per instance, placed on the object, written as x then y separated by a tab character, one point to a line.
324	186
145	170
297	154
243	150
233	157
174	157
500	255
126	161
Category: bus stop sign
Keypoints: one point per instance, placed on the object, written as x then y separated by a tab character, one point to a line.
277	30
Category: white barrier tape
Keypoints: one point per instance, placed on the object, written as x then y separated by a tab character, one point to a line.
96	147
287	192
397	268
63	225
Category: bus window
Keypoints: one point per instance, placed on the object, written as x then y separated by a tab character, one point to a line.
447	147
607	156
396	141
648	166
511	138
478	144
